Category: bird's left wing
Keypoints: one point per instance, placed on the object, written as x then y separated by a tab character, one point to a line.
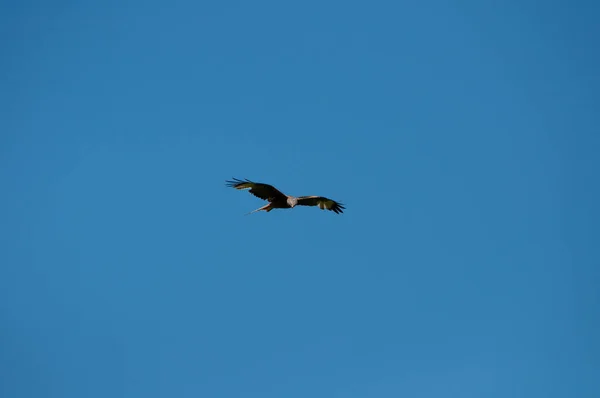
322	202
260	190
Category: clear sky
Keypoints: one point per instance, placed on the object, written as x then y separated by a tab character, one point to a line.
461	136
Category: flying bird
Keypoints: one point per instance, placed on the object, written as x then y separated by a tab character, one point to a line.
278	200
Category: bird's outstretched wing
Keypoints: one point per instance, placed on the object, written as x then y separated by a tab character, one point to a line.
323	203
260	190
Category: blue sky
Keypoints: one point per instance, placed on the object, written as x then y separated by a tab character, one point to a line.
462	137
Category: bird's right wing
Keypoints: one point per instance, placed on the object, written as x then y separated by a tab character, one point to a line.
323	203
260	190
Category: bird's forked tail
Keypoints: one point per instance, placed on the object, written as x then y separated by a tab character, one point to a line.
265	208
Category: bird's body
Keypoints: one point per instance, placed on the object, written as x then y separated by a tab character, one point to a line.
278	200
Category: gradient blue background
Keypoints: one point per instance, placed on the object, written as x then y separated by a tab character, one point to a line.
462	137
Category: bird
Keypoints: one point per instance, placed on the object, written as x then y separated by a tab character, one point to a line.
278	200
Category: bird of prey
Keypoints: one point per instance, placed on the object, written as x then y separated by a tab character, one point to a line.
278	200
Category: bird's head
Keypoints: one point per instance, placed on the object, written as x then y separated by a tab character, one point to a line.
292	201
